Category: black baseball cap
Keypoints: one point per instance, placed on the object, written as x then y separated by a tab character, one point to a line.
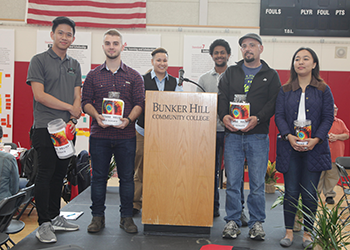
250	35
62	19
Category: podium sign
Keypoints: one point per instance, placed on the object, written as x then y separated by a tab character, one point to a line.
179	158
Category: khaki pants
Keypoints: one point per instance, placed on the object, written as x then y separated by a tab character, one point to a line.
138	176
328	180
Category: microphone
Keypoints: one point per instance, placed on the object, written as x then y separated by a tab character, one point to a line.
181	77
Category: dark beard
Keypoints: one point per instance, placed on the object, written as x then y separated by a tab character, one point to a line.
249	60
221	65
112	57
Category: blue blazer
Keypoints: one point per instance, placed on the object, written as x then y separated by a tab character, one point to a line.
319	108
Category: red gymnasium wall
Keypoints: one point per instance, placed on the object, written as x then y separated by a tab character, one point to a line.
23	104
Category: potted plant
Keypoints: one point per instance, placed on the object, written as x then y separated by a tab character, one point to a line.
329	231
112	168
270	178
298	216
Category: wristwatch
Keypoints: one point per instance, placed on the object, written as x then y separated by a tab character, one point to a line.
258	119
285	137
75	121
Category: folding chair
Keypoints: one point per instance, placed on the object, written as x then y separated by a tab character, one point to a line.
343	163
8	207
16	225
13	145
3	240
27	200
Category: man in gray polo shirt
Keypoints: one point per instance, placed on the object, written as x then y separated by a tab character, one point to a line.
55	79
220	52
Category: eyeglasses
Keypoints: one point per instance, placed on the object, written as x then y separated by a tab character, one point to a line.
250	45
335	107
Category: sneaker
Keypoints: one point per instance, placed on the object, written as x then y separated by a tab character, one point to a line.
244	219
231	230
60	223
45	233
257	231
97	223
330	200
128	225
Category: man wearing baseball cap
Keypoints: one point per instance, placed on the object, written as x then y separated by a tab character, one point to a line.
260	84
55	79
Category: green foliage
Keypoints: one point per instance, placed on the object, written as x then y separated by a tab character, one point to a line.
270	176
112	166
280	199
329	229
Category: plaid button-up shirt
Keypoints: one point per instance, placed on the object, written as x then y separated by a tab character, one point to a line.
125	80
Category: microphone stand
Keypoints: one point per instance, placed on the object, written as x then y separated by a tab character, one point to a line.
199	86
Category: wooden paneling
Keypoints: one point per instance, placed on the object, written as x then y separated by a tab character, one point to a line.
179	158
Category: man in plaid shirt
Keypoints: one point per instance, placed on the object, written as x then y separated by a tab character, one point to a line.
113	76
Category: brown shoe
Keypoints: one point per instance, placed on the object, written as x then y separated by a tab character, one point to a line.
97	223
135	211
128	225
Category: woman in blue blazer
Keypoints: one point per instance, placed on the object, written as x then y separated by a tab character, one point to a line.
304	97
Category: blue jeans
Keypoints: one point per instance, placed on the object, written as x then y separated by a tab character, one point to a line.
255	148
298	180
101	151
220	142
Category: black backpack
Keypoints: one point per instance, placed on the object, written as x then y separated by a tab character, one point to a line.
78	173
83	170
29	162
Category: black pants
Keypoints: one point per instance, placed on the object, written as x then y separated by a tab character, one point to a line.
49	180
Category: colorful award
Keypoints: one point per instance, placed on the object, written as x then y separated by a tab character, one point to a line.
64	148
240	111
302	130
112	109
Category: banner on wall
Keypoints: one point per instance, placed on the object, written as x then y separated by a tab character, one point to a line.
197	59
80	50
137	52
7	57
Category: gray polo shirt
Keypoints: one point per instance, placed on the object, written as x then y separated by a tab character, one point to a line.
209	81
59	78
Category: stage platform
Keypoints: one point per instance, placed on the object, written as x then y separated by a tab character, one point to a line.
113	237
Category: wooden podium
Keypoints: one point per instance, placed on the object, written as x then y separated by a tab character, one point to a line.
179	162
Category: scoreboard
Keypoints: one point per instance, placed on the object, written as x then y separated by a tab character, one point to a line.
329	18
